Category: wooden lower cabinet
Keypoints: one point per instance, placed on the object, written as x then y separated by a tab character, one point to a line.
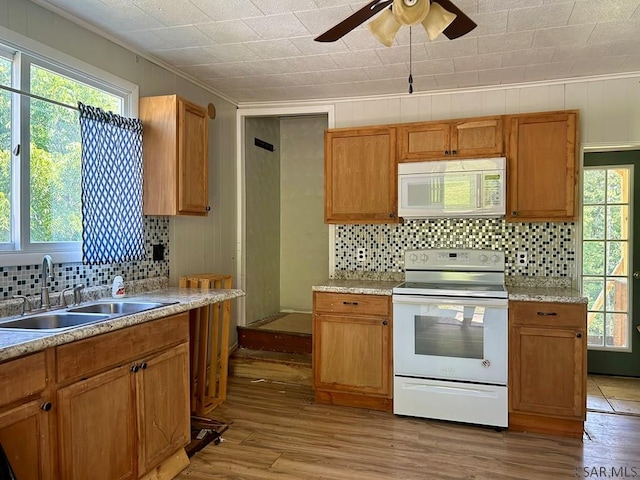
113	406
24	435
547	367
352	350
104	419
96	425
164	422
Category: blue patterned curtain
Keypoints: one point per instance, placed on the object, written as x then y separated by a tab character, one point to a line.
112	228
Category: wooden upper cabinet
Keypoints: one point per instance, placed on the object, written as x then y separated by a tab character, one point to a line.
176	161
360	175
466	138
542	166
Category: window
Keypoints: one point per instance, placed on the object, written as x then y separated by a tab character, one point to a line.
605	255
5	152
40	189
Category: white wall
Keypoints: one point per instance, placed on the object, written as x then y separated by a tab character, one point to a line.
262	208
304	247
609	107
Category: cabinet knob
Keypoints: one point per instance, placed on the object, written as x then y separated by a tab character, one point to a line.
514	214
454	152
208	208
144	365
579	335
392	215
46	406
135	368
446	152
547	314
385	322
350	303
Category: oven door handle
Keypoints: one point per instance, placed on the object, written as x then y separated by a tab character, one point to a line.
465	301
450	390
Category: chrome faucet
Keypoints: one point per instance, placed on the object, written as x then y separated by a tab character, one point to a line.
77	298
47	266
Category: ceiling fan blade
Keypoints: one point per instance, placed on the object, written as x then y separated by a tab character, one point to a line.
461	25
353	21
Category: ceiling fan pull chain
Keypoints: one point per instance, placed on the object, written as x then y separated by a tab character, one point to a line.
410	63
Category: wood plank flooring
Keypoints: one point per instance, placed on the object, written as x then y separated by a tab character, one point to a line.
613	394
278	432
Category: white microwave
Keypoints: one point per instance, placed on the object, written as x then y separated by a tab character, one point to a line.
452	188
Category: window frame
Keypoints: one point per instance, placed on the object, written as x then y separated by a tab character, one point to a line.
629	240
27	52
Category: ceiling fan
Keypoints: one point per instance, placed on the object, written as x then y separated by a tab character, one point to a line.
436	17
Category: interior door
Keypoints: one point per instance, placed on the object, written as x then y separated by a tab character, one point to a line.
608	268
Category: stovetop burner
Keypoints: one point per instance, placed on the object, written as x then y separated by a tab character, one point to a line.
454	272
451	289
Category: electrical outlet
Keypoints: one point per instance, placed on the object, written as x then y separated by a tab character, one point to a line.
521	258
362	255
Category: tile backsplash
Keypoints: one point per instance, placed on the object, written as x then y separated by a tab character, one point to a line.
26	280
550	247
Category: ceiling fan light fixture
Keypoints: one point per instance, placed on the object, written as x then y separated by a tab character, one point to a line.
437	20
410	12
384	28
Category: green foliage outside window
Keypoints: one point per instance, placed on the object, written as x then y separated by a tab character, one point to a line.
605	239
5	155
54	182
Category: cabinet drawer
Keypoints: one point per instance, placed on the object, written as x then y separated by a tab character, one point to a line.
88	356
22	378
353	304
548	314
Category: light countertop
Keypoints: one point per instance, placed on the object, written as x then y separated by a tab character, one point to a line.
15	343
546	294
366	287
528	293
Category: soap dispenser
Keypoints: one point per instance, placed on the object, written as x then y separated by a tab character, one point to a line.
117	289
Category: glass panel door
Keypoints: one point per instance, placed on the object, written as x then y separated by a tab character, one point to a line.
610	238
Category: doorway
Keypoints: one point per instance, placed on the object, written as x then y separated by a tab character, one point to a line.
286	243
609	230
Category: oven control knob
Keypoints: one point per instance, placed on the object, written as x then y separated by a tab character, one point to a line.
413	257
495	259
486	363
483	258
424	258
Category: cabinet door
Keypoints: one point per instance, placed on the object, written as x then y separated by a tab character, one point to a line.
24	435
477	138
547	370
193	182
96	423
352	354
162	385
424	141
360	176
541	151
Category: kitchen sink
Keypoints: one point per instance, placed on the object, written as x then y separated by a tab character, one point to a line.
117	308
54	321
81	315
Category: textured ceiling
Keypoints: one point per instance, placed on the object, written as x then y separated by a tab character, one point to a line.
263	50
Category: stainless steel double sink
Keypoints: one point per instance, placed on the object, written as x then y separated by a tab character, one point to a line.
57	320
